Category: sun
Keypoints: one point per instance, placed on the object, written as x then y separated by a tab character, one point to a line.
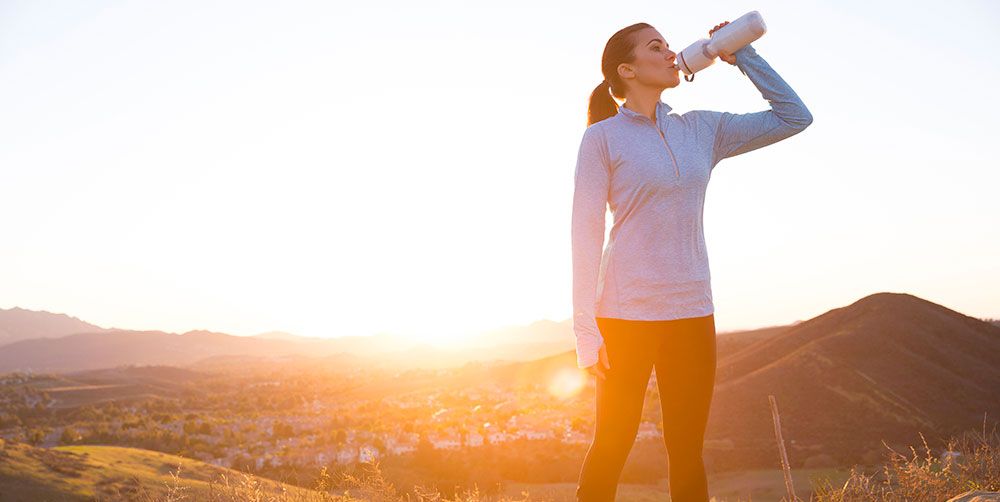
567	383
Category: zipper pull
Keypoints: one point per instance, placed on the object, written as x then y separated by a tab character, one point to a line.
676	169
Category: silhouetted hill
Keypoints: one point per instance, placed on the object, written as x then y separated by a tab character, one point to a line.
20	324
86	351
733	342
886	366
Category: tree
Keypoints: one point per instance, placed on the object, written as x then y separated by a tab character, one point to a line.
69	436
36	435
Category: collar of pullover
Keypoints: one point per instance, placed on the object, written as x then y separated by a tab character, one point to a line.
662	109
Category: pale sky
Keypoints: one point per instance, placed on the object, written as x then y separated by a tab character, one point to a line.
407	167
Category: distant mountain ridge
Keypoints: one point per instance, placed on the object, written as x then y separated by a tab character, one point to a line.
97	348
89	351
20	324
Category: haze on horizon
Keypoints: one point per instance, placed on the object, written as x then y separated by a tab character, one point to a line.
405	168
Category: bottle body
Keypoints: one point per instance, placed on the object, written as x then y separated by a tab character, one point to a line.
730	38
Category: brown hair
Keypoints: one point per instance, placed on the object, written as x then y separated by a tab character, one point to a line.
619	49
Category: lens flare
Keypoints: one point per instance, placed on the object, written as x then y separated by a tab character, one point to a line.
567	383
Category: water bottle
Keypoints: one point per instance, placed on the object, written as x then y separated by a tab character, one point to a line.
729	38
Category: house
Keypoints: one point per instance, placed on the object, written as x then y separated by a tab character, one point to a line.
446	443
400	448
535	434
473	439
499	437
574	437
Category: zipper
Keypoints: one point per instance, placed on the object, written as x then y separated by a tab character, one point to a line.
676	169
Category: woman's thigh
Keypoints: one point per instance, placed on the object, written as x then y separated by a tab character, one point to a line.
630	347
685	375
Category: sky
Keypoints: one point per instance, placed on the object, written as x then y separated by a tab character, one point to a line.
407	167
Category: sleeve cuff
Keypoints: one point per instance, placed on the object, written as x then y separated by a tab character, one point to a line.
588	348
586	360
743	56
744	52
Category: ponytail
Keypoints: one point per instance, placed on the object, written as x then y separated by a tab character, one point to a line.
602	105
619	49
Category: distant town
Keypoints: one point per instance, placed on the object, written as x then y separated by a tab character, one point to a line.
265	422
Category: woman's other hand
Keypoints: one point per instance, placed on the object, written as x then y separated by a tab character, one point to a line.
725	56
602	363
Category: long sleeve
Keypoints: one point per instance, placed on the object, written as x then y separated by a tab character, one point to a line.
590	198
736	134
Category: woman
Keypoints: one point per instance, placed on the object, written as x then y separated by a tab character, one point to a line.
645	302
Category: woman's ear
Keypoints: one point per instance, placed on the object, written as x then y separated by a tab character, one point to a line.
625	71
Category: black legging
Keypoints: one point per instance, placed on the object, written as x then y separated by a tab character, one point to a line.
683	353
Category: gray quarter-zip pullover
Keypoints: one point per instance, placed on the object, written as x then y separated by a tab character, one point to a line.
654	175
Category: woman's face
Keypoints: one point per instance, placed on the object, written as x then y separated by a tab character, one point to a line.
654	64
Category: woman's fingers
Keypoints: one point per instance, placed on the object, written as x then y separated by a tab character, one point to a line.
720	25
596	371
729	58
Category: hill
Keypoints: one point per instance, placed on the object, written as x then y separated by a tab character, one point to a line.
87	351
884	367
120	384
20	324
71	473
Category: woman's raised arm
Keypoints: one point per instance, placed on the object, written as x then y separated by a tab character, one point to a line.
740	133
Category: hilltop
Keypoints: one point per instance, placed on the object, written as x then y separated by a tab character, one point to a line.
884	367
82	473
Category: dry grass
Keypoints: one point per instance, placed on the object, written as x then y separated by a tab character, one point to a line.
925	477
371	486
241	486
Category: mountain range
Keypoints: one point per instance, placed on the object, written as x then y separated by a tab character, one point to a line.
21	324
41	341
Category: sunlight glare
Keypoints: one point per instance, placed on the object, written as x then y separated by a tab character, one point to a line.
567	383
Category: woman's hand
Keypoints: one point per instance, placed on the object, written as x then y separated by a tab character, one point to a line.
602	363
725	56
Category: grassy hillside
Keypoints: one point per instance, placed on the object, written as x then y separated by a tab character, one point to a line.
71	473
